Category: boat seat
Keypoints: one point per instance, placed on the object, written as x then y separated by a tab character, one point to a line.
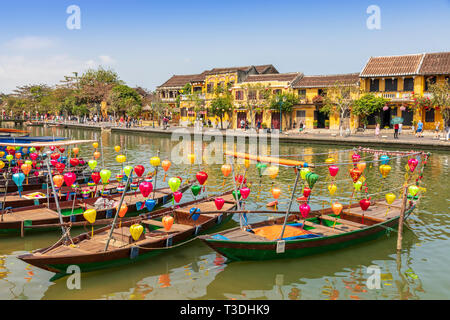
342	221
323	230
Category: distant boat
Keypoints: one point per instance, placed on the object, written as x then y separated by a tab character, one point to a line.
27	139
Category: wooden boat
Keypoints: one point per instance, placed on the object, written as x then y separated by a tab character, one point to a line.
323	231
88	252
42	217
39	196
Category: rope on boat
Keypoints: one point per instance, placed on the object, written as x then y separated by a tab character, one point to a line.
66	233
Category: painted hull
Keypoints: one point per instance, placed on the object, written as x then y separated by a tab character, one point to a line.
262	250
14	228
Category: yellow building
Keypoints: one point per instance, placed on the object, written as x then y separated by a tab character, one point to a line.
400	79
311	91
250	99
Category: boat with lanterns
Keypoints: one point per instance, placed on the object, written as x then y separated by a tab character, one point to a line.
305	232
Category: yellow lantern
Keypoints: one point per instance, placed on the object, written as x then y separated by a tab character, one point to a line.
95	145
390	198
121	158
90	215
136	231
2	164
155	161
247	163
117	148
385	169
332	188
273	171
329	161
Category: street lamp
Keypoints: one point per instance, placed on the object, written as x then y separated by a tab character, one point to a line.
281	101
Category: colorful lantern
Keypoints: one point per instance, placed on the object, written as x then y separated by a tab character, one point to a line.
174	184
90	215
95	176
92	164
304	210
390	198
96	154
121	158
201	177
226	170
412	163
167	222
123	210
364	204
332	188
272	171
105	174
337	208
196	190
155	161
58	180
333	170
245	192
355	173
150	204
136	231
385	169
219	202
117	148
177	195
127	170
70	178
146	188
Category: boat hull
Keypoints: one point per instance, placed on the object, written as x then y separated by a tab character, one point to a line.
241	251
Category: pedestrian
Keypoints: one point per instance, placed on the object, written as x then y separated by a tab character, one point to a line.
301	127
396	126
377	131
242	124
400	125
419	129
258	126
436	129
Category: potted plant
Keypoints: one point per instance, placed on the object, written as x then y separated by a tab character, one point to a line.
327	124
315	124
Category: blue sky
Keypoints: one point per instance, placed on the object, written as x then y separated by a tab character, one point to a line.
146	42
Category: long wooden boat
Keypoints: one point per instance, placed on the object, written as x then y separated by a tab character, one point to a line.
44	218
323	231
87	250
39	196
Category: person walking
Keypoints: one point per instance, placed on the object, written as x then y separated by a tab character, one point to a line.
396	126
419	132
377	131
436	129
400	126
258	126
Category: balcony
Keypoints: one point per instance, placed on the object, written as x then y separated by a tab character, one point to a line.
396	96
185	97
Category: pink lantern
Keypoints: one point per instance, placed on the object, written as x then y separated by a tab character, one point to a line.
70	178
177	196
145	188
245	192
402	108
33	156
412	163
304	210
219	202
333	170
385	108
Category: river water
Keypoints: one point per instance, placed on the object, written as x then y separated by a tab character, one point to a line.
194	271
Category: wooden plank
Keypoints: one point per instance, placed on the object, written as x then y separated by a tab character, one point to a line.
324	229
240	235
343	221
175	226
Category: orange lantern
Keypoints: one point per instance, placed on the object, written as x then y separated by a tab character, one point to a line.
226	170
58	180
361	166
123	210
165	165
26	168
18	155
276	192
96	154
337	208
76	150
167	222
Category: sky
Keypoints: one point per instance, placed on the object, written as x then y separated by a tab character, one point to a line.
146	42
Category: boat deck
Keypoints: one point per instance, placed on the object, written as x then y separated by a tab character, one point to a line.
31	214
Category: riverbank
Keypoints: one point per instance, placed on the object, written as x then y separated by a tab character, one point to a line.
367	138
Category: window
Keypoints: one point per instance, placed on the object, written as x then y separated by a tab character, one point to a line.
163	94
302	93
197	89
262	95
221	85
239	95
322	93
408	84
429	115
374	85
252	95
276	91
390	85
183	112
210	87
428	81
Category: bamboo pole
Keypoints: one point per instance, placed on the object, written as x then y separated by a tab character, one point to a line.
118	209
290	203
47	162
401	219
235	191
6	191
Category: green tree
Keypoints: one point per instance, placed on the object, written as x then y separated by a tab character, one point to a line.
125	100
367	105
440	98
284	100
338	102
221	104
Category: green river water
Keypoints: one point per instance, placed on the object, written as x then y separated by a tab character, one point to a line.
194	271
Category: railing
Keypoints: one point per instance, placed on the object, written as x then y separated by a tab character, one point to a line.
398	96
185	97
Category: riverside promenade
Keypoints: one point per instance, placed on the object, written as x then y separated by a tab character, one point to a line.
318	136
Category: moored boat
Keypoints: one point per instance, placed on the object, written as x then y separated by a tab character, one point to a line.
88	252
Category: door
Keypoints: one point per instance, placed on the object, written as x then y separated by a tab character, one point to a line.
407	116
275	120
258	117
300	117
239	117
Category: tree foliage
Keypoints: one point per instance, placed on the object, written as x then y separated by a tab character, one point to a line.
367	105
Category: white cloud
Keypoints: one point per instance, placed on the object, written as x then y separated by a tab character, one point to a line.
29	43
106	60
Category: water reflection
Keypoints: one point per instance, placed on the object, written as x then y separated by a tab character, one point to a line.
196	272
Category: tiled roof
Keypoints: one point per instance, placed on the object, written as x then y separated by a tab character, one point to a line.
259	69
392	65
178	81
322	81
435	63
273	77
